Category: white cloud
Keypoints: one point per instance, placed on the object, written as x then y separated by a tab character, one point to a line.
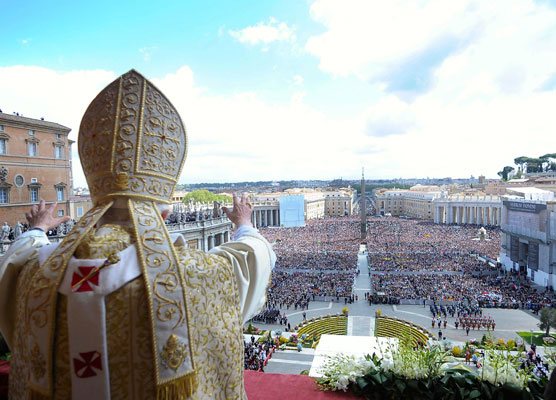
390	116
231	138
474	79
458	88
297	80
264	33
367	38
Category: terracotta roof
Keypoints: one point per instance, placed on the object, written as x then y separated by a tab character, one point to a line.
32	121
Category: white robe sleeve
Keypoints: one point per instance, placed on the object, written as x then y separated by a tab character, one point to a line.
252	259
11	264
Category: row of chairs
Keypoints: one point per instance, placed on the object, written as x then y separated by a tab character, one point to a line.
398	328
332	325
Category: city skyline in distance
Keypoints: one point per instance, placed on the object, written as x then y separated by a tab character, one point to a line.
305	90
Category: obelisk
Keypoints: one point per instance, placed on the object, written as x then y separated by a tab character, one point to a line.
363	206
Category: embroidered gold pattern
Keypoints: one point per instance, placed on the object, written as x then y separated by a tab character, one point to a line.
216	332
173	353
38	364
40	306
159	265
104	242
144	136
122	181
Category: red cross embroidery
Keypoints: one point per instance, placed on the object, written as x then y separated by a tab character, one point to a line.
85	285
85	367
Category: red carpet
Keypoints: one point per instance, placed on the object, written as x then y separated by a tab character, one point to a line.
258	385
4	374
263	386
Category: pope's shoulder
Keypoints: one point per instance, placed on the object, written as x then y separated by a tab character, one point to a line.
201	262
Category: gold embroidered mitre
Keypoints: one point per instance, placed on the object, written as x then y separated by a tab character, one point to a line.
132	142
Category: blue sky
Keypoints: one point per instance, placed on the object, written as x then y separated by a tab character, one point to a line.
304	89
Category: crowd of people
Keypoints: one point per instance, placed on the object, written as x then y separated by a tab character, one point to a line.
317	261
256	353
466	317
392	234
416	260
9	233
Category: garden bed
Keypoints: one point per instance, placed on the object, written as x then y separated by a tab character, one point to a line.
537	338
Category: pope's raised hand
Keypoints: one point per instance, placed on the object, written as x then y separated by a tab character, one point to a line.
43	217
240	214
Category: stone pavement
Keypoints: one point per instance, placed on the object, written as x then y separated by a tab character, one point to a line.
290	361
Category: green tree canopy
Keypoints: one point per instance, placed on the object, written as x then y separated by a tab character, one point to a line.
505	171
204	196
548	319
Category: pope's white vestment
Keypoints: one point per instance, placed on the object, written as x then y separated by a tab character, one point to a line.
223	289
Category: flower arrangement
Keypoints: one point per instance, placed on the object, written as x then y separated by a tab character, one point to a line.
457	351
252	330
429	373
548	340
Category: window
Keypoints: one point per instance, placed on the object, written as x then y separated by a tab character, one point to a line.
31	149
1	128
34	194
3	146
19	180
4	195
58	152
58	136
31	132
60	213
59	193
79	211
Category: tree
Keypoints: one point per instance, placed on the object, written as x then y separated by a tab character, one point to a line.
505	172
534	165
206	197
520	161
548	160
548	319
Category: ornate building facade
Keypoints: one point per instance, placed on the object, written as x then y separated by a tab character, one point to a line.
468	210
528	239
35	163
414	203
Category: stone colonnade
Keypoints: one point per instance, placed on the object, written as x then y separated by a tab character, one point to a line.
205	234
265	217
215	239
471	213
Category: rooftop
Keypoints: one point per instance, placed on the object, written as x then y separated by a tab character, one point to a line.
18	119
